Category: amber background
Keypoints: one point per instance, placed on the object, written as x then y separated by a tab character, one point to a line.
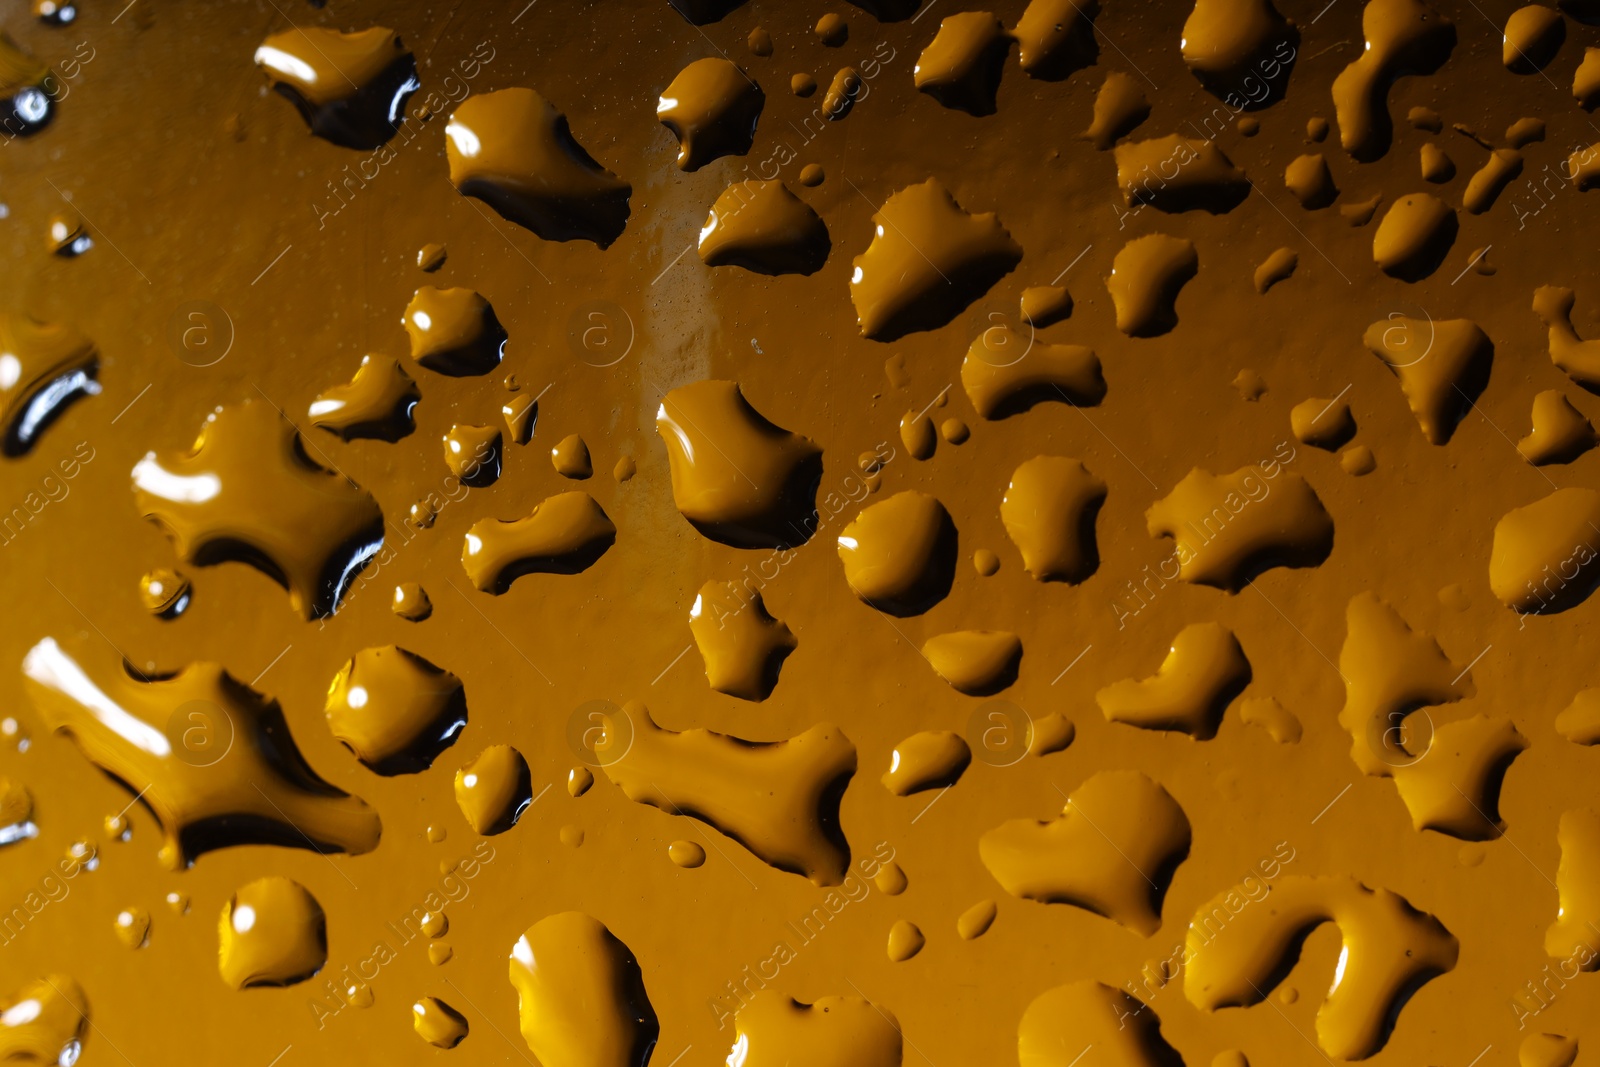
194	177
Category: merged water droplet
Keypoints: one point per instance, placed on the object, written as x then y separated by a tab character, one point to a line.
771	1030
248	492
564	534
257	789
961	66
1390	949
1204	670
779	799
1402	37
1112	851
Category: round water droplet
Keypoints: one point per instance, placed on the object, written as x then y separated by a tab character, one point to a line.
985	562
132	926
118	828
435	834
976	920
178	903
164	592
439	953
435	924
891	879
494	789
686	854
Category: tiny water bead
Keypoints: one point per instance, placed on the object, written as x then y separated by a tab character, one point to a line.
132	926
686	854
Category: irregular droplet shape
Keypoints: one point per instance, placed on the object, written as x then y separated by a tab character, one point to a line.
905	941
1533	35
1543	560
272	933
411	602
976	662
165	593
564	534
712	108
351	88
1547	1050
1442	367
210	758
1275	268
1240	50
1204	670
773	1030
899	554
1414	236
1146	277
377	403
581	995
1486	184
1119	107
779	799
494	789
1056	37
1322	423
1390	949
1389	671
438	1023
736	476
929	760
763	227
929	260
16	813
1453	787
44	367
395	710
1045	305
961	66
1579	721
522	416
1176	173
1265	712
1577	358
976	920
1309	181
514	151
132	927
1229	528
1069	1019
44	1022
248	491
1402	37
742	644
1006	373
1049	512
1560	432
1112	851
454	331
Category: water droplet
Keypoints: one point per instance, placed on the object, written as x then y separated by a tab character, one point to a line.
377	403
351	88
164	592
494	789
132	927
454	331
712	108
581	996
438	1023
395	710
272	933
686	854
